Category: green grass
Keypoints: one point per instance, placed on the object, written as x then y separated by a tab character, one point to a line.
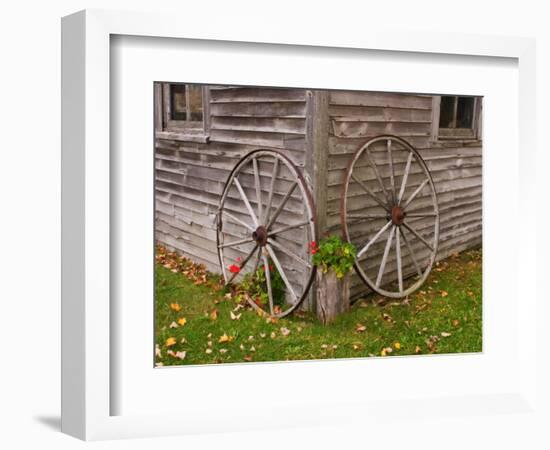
413	327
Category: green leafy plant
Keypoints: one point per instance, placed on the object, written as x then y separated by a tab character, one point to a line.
255	285
333	253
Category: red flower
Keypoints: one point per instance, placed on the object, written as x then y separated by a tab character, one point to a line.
234	269
313	247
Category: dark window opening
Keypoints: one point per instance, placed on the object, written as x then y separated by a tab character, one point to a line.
456	112
459	117
186	102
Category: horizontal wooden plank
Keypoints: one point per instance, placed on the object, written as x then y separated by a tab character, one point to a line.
349	145
260	124
366	129
388	100
257	94
262	140
259	109
378	114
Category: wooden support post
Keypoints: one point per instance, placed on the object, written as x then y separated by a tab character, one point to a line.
332	295
317	130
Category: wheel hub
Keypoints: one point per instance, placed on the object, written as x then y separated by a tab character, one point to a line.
397	215
260	235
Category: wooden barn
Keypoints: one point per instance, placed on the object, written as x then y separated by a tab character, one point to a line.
399	175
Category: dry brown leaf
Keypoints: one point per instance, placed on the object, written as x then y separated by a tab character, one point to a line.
445	334
248	358
360	328
179	355
444	293
175	306
158	353
214	314
285	331
223	350
418	349
234	316
173	325
208	351
387	317
456	323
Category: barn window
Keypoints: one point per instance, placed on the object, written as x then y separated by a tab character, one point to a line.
182	111
456	117
186	102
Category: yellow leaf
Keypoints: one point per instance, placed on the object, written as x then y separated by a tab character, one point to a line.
175	306
225	338
444	293
170	341
397	345
182	321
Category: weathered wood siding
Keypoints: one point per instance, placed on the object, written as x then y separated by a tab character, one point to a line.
190	176
456	166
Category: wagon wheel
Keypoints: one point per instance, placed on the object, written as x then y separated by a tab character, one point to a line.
265	222
389	211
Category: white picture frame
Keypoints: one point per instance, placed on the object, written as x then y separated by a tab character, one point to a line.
87	386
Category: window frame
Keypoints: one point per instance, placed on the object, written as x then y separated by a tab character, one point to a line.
181	130
466	134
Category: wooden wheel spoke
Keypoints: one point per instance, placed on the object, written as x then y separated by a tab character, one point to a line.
413	231
234	243
268	282
370	193
392	170
243	263
236	219
288	227
374	239
399	262
405	176
385	257
258	187
411	253
377	174
281	271
271	190
246	202
415	193
288	252
281	206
